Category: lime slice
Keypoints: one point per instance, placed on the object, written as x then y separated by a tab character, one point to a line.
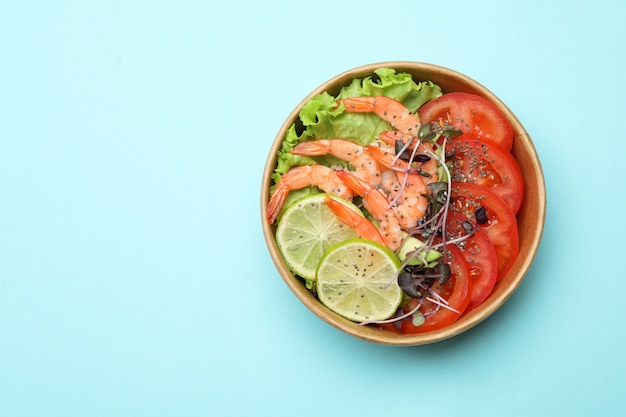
352	280
306	230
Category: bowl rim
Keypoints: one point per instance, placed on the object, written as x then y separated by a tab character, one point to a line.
522	142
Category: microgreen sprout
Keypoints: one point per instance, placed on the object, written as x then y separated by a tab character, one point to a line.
417	279
402	149
444	272
481	215
397	318
403	154
426	133
443	128
423	291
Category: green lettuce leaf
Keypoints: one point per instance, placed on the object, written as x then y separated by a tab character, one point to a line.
320	118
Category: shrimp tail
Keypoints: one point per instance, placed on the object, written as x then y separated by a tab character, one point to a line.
391	136
382	157
354	183
378	206
388	109
276	202
311	148
363	227
359	104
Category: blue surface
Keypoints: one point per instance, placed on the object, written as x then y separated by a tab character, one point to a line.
134	278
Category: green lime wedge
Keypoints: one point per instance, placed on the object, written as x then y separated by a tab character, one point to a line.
353	280
306	230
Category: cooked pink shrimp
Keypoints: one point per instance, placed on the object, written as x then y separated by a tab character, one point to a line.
364	228
405	192
388	109
323	177
377	204
382	145
365	167
431	166
397	193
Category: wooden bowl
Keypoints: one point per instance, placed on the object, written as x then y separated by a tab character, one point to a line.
530	218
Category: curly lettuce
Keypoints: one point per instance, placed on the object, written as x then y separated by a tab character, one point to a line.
321	118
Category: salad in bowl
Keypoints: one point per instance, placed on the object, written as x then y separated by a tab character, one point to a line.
402	202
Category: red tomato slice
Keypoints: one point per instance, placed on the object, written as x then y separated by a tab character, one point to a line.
474	115
480	256
500	225
456	290
488	164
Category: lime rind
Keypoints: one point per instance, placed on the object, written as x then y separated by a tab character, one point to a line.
353	280
306	230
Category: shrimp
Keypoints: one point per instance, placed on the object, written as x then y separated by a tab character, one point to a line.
303	176
364	228
430	167
400	202
377	204
403	188
388	109
365	167
382	145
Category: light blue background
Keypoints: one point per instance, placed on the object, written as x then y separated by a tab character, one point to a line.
134	278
